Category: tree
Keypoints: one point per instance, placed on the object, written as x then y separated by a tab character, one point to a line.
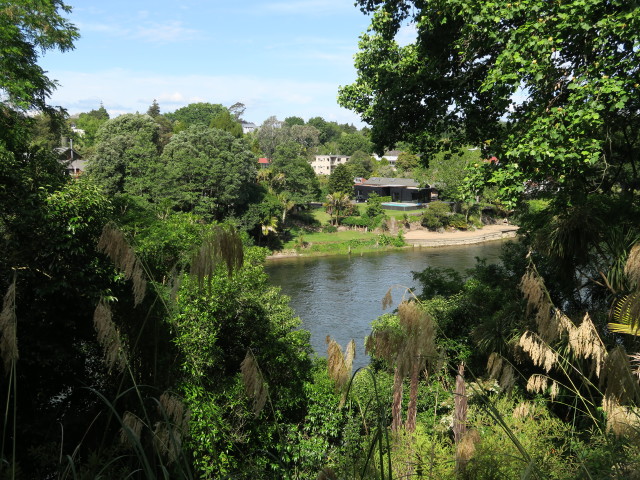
336	203
201	113
291	121
407	161
306	135
549	88
349	143
154	109
126	151
25	29
270	135
341	180
206	171
237	110
90	122
360	164
329	131
225	121
300	181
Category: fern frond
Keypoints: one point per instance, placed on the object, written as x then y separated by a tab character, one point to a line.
626	313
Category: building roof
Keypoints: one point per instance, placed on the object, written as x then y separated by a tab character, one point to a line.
391	182
263	161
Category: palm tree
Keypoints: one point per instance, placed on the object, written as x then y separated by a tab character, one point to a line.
336	203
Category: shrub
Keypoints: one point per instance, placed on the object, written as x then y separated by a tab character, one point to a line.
431	221
458	221
329	229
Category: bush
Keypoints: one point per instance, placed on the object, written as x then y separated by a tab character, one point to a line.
363	221
329	229
431	221
458	221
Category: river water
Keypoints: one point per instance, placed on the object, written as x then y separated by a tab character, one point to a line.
341	295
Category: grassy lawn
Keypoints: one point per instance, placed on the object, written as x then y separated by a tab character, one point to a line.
323	217
336	237
350	241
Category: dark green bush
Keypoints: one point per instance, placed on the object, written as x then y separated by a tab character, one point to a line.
431	221
458	221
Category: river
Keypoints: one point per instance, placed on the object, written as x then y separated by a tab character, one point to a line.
341	295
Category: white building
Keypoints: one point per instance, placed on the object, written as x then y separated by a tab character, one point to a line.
248	127
391	157
326	164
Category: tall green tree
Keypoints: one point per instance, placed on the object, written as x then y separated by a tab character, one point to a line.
349	143
201	113
341	180
25	30
207	171
225	121
127	149
90	122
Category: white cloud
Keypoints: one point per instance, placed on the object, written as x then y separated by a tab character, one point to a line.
306	7
150	32
169	32
123	91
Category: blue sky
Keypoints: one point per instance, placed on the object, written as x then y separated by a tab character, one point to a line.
281	58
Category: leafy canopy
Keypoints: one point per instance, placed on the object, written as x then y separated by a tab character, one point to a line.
548	87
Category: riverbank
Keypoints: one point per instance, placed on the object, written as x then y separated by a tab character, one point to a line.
488	233
419	238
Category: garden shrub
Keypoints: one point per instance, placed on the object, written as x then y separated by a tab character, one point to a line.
431	221
458	221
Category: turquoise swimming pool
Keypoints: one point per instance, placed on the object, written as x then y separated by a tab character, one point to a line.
401	206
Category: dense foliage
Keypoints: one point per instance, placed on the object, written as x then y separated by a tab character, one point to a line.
140	336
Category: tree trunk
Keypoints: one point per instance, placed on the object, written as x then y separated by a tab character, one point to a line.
412	409
396	409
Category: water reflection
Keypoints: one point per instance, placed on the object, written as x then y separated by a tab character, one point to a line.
340	296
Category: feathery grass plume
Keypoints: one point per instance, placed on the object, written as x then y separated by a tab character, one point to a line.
548	322
254	384
494	365
621	420
8	328
466	448
167	440
339	365
522	410
349	355
419	332
460	408
327	473
131	427
532	288
109	336
620	384
632	267
501	371
537	383
174	409
541	354
585	342
387	300
114	244
547	316
626	312
418	348
554	390
222	244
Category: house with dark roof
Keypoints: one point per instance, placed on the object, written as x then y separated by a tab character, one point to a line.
72	160
399	189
